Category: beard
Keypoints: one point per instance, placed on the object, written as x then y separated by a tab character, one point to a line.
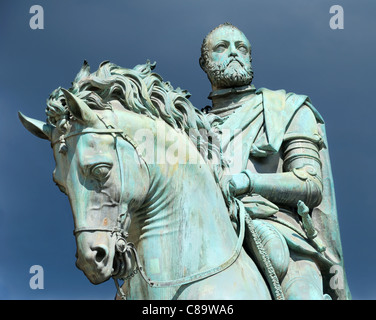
230	73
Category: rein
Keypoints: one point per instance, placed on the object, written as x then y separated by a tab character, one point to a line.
121	244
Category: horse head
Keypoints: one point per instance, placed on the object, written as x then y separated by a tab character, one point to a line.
99	170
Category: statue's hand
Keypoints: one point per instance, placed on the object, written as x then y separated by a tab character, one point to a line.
239	184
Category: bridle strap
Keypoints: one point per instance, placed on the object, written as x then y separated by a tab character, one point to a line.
100	131
111	230
77	133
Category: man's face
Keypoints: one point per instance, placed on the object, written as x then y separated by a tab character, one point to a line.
229	59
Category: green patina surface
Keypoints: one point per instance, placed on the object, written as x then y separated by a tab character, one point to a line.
236	203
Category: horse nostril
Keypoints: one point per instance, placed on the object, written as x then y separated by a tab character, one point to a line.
101	253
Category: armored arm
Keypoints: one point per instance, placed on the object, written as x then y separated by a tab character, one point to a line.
301	178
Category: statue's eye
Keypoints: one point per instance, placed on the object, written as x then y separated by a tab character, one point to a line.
220	47
100	171
243	49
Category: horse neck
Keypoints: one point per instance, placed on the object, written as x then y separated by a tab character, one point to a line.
183	224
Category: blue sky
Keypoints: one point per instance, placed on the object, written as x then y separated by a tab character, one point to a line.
293	48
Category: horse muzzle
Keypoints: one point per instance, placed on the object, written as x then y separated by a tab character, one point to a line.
95	258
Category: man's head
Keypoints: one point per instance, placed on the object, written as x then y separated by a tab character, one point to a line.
226	57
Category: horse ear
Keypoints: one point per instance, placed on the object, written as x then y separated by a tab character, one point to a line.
38	128
84	72
79	109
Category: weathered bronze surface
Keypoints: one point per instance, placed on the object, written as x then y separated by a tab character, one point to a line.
234	203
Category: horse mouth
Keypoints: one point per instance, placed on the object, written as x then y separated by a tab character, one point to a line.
119	268
98	277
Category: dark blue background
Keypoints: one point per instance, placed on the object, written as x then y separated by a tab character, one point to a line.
293	49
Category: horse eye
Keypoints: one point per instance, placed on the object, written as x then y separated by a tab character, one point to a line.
100	171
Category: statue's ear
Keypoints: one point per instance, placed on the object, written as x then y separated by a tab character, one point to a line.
202	63
79	109
38	128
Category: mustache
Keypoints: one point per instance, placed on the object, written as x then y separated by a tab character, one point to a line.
228	61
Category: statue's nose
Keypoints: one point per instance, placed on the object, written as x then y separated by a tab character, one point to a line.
232	51
96	263
96	255
100	253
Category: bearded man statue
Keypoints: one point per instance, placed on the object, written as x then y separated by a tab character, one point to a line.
284	176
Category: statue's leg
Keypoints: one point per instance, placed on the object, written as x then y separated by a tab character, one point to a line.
273	243
303	280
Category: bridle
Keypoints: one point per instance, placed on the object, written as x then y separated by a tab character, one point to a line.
123	247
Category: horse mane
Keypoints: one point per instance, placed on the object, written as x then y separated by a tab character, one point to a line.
144	92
